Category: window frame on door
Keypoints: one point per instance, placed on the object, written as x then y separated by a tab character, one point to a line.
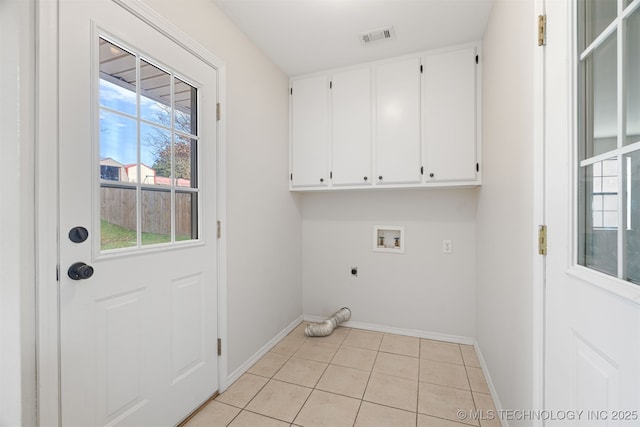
174	188
616	279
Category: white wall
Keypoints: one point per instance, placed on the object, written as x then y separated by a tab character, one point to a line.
264	219
17	301
422	289
504	313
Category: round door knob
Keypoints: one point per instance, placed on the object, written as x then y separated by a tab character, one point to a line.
380	177
80	271
431	175
321	179
365	178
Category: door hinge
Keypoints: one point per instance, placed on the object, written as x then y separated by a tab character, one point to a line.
542	30
57	273
477	167
331	175
542	240
218	112
218	232
421	69
291	91
291	177
421	170
330	85
477	59
219	346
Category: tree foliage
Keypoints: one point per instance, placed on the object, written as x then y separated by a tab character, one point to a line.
160	143
182	153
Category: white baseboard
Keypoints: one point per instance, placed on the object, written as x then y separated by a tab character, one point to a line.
398	331
232	377
492	389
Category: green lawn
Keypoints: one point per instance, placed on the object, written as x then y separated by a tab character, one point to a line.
114	237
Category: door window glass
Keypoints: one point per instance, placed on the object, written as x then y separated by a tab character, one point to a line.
185	98
155	94
598	15
148	147
601	93
632	72
632	211
609	138
599	181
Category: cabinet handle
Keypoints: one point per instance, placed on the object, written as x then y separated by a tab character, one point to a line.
431	175
321	179
380	177
365	178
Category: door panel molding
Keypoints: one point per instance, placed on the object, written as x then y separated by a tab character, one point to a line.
591	366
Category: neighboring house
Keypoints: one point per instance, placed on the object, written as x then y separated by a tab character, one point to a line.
112	170
147	174
180	182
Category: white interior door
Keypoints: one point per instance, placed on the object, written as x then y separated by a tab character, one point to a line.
137	168
592	319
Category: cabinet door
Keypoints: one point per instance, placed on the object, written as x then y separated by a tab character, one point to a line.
309	131
398	122
351	127
449	112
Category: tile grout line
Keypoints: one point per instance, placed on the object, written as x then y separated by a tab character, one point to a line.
418	386
343	344
272	379
269	379
366	385
314	387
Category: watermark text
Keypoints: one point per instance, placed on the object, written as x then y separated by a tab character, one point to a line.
546	415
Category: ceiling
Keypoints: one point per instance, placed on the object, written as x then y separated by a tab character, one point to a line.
304	36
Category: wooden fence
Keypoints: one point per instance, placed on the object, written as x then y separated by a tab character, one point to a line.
118	206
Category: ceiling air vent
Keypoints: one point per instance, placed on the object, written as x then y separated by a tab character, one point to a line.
377	36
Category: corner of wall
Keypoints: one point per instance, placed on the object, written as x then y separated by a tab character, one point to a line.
504	261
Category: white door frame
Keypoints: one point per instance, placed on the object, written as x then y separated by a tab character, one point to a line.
539	193
540	189
47	209
539	272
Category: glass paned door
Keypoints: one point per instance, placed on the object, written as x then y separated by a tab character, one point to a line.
148	152
609	137
136	337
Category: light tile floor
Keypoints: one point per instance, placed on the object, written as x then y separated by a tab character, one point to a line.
355	378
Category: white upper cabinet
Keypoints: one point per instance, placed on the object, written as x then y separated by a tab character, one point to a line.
351	127
449	118
397	137
310	132
406	122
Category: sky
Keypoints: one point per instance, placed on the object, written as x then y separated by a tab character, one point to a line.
118	133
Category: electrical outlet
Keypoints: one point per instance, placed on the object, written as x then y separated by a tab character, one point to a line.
447	246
